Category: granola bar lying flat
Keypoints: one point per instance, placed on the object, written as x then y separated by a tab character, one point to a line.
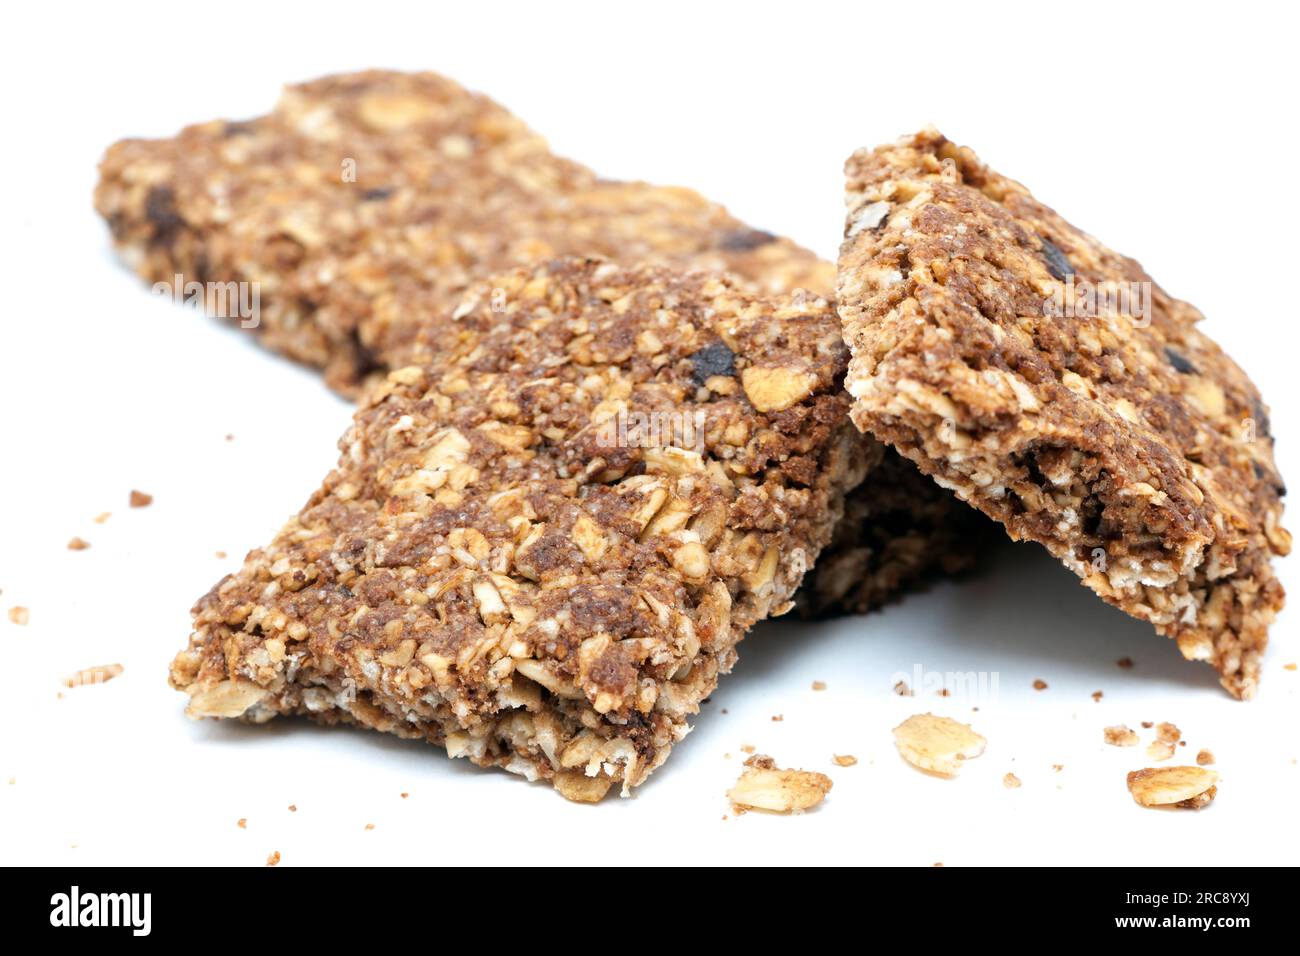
365	204
540	547
1056	388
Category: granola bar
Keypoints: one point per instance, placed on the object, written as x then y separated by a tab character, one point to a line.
365	204
542	544
1055	387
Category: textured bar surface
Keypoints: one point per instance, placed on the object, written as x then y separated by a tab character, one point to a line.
366	203
1110	430
528	553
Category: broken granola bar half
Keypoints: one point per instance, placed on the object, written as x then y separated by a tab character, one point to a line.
542	544
1054	386
365	204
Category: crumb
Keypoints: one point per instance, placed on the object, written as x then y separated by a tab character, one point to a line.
405	794
1160	750
1120	736
103	516
1097	696
1147	725
1168	733
902	690
242	823
1204	758
724	711
1289	667
78	544
777	718
844	760
293	808
1189	788
747	748
765	787
818	685
726	756
140	500
273	859
1058	767
12	781
936	864
1011	781
1040	684
370	826
945	692
221	555
937	744
230	437
1124	663
101	674
19	615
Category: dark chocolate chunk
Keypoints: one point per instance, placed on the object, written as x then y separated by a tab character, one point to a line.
160	210
714	359
1180	362
1057	264
744	240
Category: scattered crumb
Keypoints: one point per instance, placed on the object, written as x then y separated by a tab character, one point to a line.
101	674
230	437
1097	696
370	826
726	756
1204	758
242	823
1289	667
19	615
103	516
937	744
1147	725
777	718
405	794
1187	787
1040	684
724	710
1124	663
78	544
818	685
273	859
765	787
140	500
936	864
1168	733
844	760
902	690
1058	767
747	748
1011	781
944	692
293	808
1160	750
221	555
1120	736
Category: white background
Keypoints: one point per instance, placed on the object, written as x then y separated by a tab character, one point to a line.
1166	130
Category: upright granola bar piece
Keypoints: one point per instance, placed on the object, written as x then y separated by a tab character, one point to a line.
365	204
1056	388
541	545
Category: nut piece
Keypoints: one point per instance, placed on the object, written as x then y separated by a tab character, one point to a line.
1188	787
1120	736
577	786
762	787
776	389
937	744
224	699
93	675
